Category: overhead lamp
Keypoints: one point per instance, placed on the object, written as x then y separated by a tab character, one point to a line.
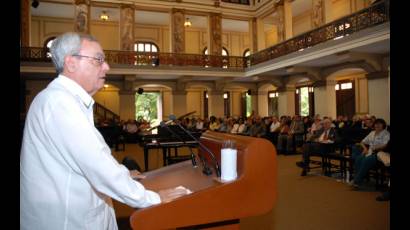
187	23
104	16
35	3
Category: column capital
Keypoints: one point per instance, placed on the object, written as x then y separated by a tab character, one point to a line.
377	75
126	92
216	92
285	88
124	6
78	2
179	92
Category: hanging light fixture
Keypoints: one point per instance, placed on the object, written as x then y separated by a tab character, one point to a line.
187	23
104	16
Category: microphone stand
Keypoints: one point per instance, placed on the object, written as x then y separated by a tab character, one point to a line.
194	164
216	164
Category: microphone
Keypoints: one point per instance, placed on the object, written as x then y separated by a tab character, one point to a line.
216	164
165	125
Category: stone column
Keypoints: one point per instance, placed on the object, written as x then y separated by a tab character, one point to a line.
284	11
127	99
127	27
253	35
327	11
325	98
378	88
286	101
179	102
177	31
318	16
216	103
82	16
263	110
215	34
25	23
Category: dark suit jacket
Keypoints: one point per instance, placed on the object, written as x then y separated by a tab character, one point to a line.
332	135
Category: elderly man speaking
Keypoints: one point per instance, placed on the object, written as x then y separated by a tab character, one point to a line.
67	172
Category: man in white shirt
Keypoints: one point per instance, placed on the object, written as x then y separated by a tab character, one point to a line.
67	172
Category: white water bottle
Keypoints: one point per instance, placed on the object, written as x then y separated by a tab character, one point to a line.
228	161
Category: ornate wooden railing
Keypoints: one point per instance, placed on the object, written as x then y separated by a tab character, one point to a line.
368	17
104	113
374	15
243	2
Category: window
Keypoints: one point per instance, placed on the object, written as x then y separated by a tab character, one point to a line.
224	53
247	52
227	110
148	106
304	101
149	53
47	44
206	104
273	103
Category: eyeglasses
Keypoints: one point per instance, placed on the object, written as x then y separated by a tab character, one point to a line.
100	60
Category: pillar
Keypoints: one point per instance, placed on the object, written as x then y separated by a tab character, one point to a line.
127	27
82	16
318	16
216	103
284	11
253	35
286	101
327	11
263	103
127	98
260	30
179	102
215	34
177	30
25	23
378	87
325	98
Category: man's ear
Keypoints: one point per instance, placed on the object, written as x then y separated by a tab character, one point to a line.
70	63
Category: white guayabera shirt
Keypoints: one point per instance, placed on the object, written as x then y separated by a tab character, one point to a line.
67	172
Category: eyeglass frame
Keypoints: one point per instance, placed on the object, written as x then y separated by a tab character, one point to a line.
100	60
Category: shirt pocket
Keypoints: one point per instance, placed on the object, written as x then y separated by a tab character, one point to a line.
95	218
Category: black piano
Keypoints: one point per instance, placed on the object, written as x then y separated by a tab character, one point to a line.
167	141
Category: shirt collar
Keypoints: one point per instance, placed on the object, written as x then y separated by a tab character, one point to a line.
74	88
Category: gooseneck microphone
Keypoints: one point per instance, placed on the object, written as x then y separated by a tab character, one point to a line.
165	125
216	164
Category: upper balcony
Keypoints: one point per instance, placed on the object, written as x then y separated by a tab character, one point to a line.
361	30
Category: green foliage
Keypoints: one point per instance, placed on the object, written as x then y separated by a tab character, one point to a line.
304	101
146	106
248	105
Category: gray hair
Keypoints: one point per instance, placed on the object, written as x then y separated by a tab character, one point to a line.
67	44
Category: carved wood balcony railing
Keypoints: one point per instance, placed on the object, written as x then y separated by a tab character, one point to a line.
366	18
243	2
374	15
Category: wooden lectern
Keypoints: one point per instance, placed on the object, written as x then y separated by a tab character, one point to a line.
213	205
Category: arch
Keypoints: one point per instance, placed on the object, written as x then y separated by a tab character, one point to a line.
206	86
267	87
344	72
363	65
300	79
152	85
246	52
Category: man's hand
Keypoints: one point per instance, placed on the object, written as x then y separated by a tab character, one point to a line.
135	174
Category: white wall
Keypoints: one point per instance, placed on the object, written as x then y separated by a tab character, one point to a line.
379	98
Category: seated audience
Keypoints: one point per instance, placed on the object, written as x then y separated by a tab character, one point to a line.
316	144
365	157
258	129
296	129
